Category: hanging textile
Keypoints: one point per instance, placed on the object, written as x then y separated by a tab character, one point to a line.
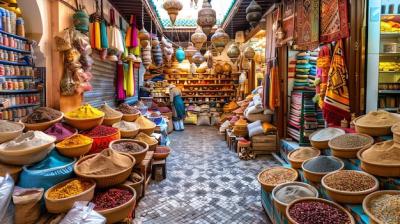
334	20
270	39
103	30
288	20
337	102
97	34
274	87
136	50
120	82
323	65
128	37
135	31
130	85
126	74
266	86
92	35
307	24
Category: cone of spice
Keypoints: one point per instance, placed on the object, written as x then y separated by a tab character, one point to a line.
41	115
85	112
69	189
387	152
61	131
109	112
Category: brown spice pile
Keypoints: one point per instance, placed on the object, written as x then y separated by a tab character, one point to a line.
41	115
349	180
378	119
277	175
387	152
304	153
349	141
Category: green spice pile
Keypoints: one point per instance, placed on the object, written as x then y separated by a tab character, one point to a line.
349	141
278	175
386	208
349	180
322	164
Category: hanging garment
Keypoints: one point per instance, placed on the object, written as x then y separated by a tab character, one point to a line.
134	30
104	35
92	35
274	90
337	102
120	82
266	86
130	87
323	65
178	109
128	37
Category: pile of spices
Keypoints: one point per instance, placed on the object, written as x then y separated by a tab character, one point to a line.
378	119
135	177
107	162
316	212
349	180
145	138
292	192
111	198
326	134
9	126
41	115
322	164
126	109
351	141
304	153
126	126
76	140
144	123
28	140
70	189
386	208
101	131
127	146
60	131
85	112
109	112
277	175
387	152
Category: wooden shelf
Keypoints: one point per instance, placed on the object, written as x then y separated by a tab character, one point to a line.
189	91
208	85
20	91
207	96
390	109
22	105
389	91
390	72
13	35
200	79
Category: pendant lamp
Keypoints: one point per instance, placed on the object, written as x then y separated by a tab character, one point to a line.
172	7
157	55
220	39
253	13
249	53
146	55
180	55
233	52
155	41
198	38
198	59
190	51
206	17
239	37
144	37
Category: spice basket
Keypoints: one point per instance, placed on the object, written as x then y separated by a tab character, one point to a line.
269	187
139	156
84	123
121	212
384	170
317	176
367	200
41	126
281	206
372	130
103	181
74	151
161	155
292	221
349	197
153	147
130	117
138	186
321	144
27	156
111	121
65	204
349	153
102	142
148	131
10	135
296	164
129	134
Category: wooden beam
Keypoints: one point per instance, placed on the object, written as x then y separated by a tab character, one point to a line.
153	16
231	14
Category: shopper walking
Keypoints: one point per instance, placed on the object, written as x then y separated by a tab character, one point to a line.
178	107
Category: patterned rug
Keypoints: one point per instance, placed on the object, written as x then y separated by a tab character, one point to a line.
334	20
288	20
307	24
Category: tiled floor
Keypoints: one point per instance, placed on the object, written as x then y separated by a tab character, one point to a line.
206	183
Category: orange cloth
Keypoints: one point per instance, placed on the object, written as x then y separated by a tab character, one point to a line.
274	88
267	127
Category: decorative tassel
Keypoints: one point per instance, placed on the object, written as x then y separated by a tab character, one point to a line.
135	32
103	31
97	35
130	86
120	82
92	35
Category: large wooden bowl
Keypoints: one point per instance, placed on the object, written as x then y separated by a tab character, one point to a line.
130	117
349	153
269	187
367	200
10	135
378	169
372	130
317	176
112	120
321	144
41	126
139	156
295	163
26	156
74	151
84	123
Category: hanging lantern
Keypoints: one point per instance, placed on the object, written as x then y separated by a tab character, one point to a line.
227	68
198	59
220	39
155	41
146	56
180	55
208	58
144	37
157	55
198	38
190	51
249	53
239	37
206	17
233	52
253	13
172	7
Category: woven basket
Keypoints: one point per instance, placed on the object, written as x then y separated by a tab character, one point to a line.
148	131
26	157
130	117
317	176
383	170
367	201
103	181
121	212
41	126
65	204
349	197
111	121
161	155
138	186
84	123
269	187
139	156
296	164
349	152
75	151
371	130
10	135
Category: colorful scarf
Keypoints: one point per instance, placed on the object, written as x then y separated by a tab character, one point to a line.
334	20
307	24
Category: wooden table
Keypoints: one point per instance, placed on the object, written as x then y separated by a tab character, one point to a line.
145	168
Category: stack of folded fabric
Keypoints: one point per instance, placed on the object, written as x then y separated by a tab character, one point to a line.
306	71
313	69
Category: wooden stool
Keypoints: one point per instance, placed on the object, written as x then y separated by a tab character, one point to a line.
145	168
231	141
159	164
244	150
243	144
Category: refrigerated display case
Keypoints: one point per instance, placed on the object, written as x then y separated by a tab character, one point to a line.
383	55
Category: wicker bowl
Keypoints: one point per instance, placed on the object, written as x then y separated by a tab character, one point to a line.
139	156
138	186
349	153
114	215
296	164
383	170
74	151
372	130
317	176
322	144
349	197
110	121
367	200
148	131
27	156
161	155
130	117
41	126
128	133
281	206
292	221
103	181
269	187
10	135
65	204
84	123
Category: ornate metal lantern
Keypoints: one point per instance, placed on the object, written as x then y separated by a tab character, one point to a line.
180	55
198	59
198	38
253	13
207	17
190	51
249	53
220	39
172	7
144	37
233	52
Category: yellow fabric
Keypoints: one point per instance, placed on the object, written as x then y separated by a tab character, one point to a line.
267	127
97	35
129	86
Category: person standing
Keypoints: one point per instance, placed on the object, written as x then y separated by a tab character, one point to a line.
178	107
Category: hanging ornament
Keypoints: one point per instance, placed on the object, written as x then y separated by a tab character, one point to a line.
146	56
155	41
239	37
190	51
220	39
253	13
249	53
209	59
233	52
81	21
206	17
198	38
198	59
180	55
157	55
172	7
227	68
144	37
